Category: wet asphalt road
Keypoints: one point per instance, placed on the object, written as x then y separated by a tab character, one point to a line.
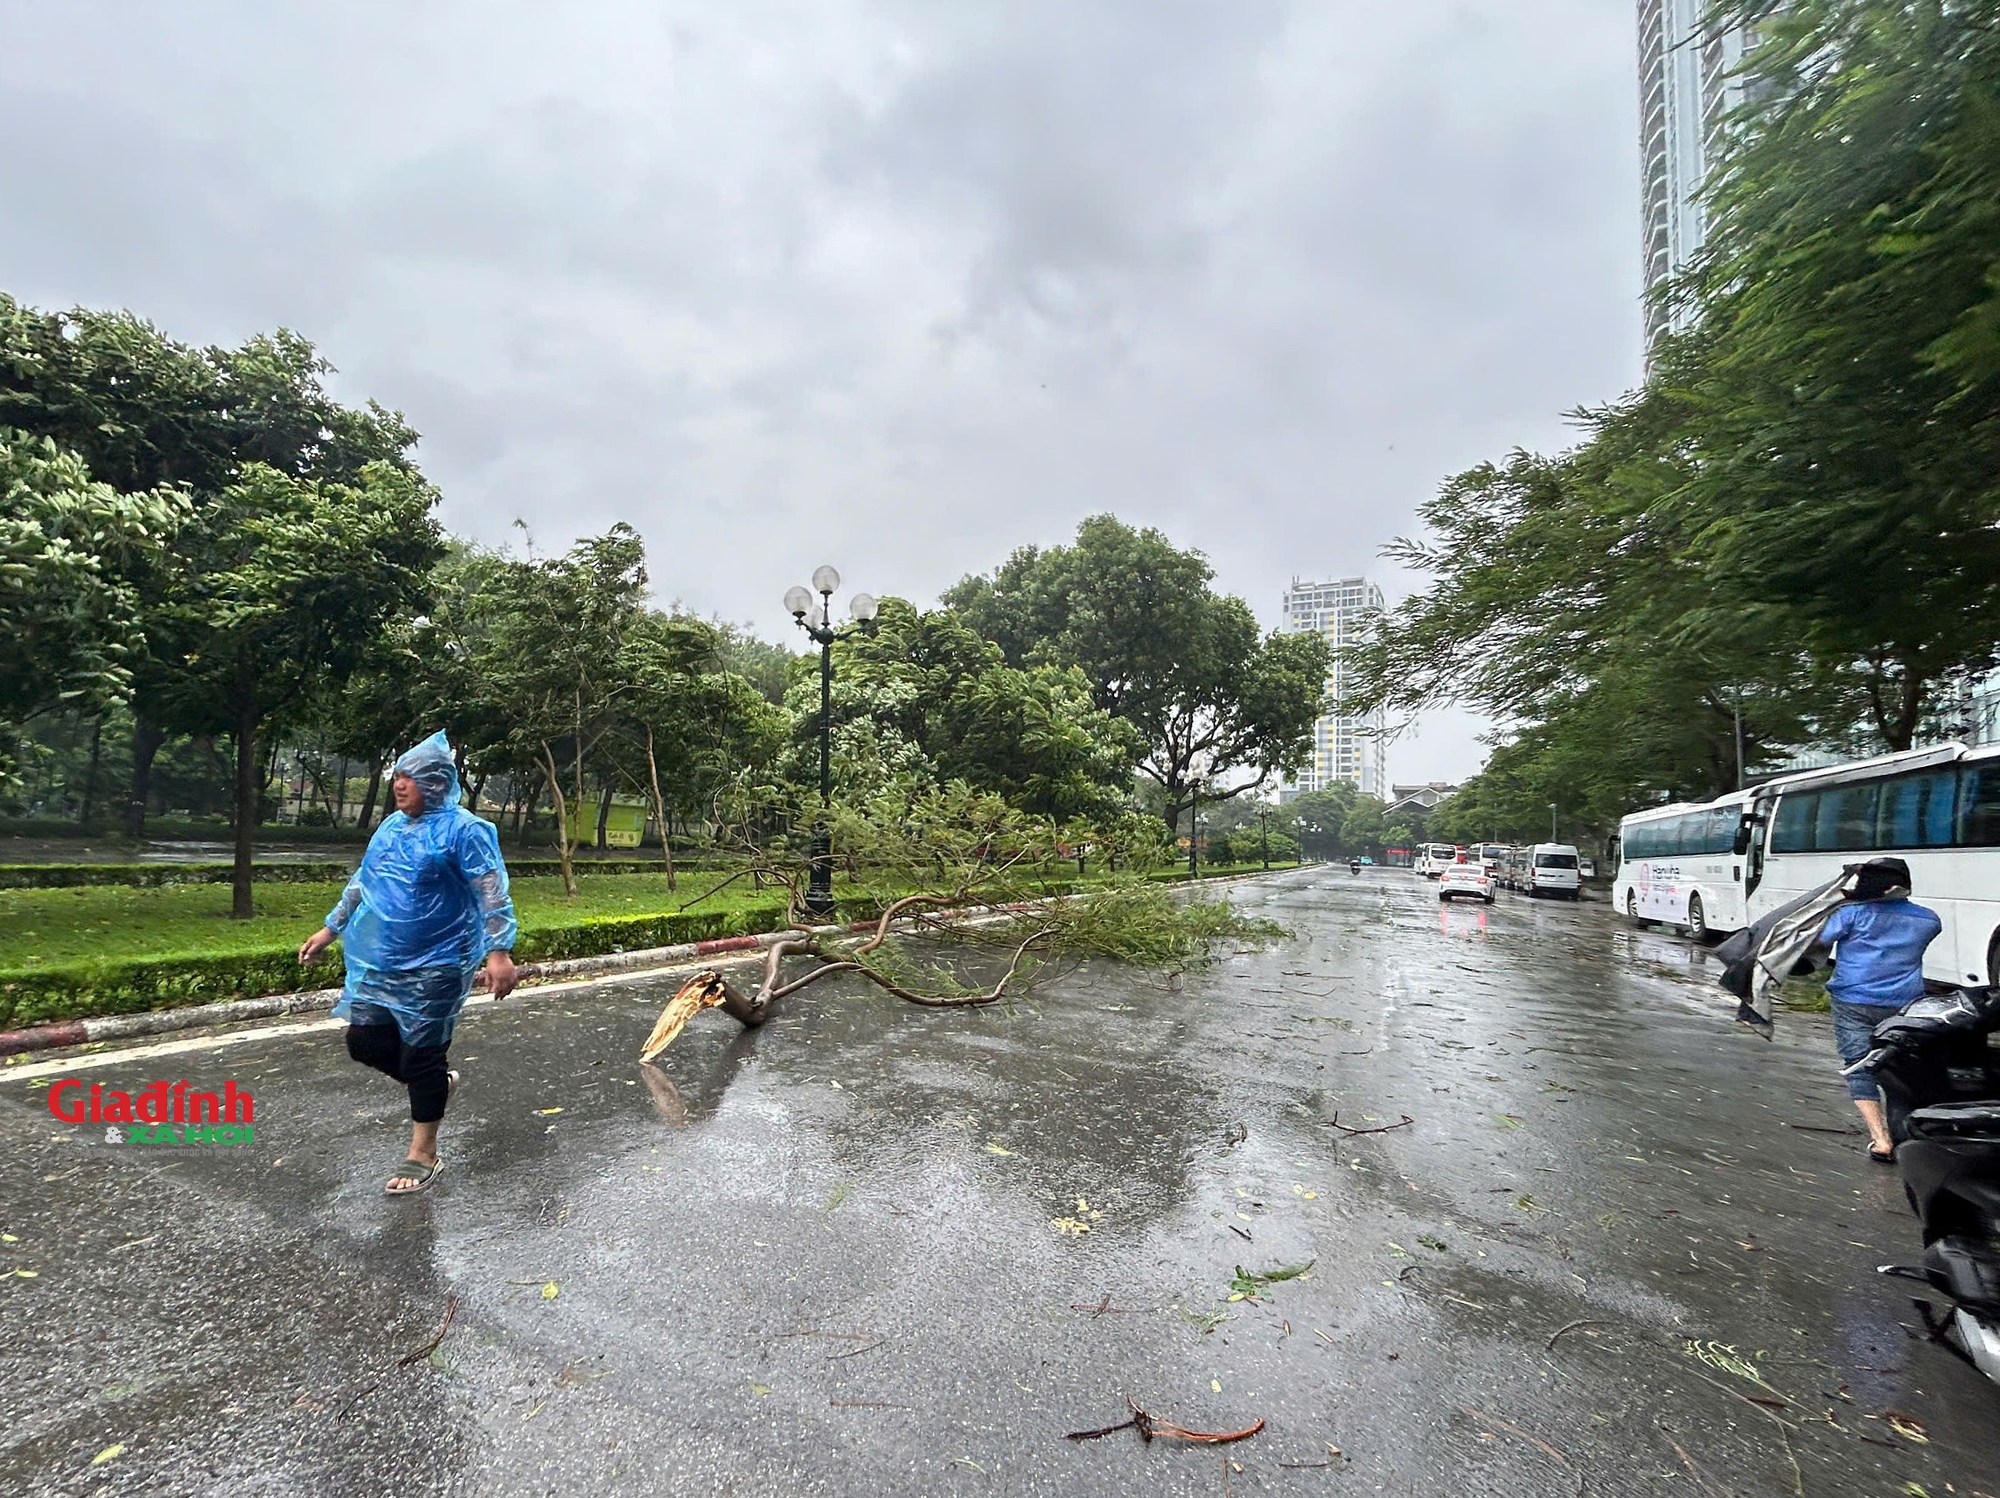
838	1256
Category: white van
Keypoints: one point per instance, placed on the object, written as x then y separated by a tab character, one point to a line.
1552	870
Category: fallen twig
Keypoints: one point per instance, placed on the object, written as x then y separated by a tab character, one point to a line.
1335	1122
1708	1484
1150	1426
1570	1327
1515	1430
866	1404
450	1310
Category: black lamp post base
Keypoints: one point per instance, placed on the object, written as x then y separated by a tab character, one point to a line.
819	883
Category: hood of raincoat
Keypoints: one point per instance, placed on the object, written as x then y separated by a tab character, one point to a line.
431	765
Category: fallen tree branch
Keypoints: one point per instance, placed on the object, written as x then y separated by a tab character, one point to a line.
1150	1426
1335	1122
450	1310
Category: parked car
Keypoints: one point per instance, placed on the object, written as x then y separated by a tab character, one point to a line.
1465	881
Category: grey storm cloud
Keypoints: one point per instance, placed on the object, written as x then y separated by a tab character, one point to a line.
900	284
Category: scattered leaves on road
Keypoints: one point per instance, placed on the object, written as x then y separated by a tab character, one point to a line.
551	1290
108	1454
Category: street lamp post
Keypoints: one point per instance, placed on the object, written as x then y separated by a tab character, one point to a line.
1552	823
862	608
1264	832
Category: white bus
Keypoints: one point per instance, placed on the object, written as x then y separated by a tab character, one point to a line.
1491	855
1938	809
1433	857
1686	865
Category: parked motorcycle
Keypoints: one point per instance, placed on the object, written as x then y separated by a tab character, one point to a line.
1940	1081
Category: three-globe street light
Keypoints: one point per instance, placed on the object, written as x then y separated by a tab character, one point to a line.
862	609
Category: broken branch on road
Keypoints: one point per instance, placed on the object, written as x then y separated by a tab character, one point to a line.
450	1310
1150	1426
1335	1123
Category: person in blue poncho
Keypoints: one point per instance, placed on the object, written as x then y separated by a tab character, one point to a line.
425	911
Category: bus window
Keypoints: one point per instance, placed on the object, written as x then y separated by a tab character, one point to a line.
1916	812
1979	808
1846	818
1791	829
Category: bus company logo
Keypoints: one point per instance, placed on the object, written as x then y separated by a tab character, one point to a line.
160	1113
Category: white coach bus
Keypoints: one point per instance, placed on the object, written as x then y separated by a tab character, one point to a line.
1687	865
1938	809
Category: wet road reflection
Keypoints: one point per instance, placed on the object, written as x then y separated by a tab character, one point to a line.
871	1248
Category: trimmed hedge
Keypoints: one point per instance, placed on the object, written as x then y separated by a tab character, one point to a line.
317	871
162	875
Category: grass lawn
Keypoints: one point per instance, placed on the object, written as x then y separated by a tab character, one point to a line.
50	927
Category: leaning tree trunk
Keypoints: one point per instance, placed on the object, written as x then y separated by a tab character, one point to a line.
249	793
660	809
562	821
147	736
374	790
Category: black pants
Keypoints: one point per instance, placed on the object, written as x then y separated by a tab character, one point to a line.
421	1068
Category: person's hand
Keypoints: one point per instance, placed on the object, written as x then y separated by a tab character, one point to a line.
315	944
501	974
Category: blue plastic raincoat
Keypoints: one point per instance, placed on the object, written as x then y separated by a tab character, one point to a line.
427	904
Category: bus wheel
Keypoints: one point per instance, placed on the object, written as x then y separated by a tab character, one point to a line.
1632	908
1697	922
1993	960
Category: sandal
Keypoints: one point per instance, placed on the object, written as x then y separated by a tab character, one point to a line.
413	1170
1880	1158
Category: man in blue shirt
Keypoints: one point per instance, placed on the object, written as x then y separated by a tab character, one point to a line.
1878	939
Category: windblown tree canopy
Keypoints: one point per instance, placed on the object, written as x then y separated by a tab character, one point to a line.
1791	535
1218	709
927	697
69	547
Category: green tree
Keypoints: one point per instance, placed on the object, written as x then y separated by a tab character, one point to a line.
558	650
70	623
1214	704
927	698
291	582
145	412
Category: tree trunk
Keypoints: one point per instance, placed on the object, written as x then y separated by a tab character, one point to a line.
339	808
660	810
249	796
478	790
374	790
562	821
603	810
89	802
147	736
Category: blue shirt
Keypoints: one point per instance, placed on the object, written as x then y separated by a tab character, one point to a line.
1879	951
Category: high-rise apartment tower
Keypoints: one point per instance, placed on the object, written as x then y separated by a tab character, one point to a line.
1689	81
1345	746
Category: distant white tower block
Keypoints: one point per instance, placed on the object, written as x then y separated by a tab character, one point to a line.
1688	84
1346	746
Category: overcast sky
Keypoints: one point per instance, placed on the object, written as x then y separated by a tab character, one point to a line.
895	284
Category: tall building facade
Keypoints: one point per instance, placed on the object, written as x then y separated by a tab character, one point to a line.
1346	746
1689	82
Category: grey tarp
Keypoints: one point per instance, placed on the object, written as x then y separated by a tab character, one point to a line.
1760	957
